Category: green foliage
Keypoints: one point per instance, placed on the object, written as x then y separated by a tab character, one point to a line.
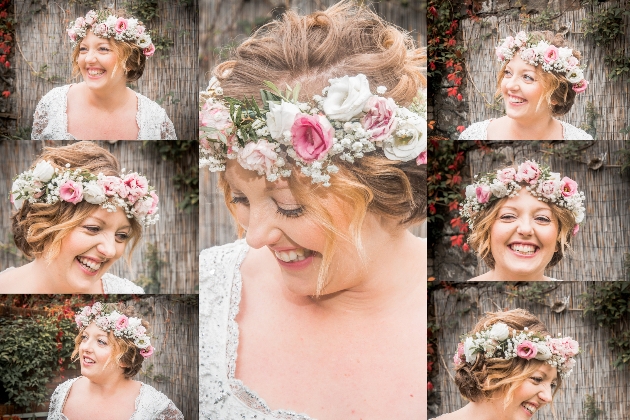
591	408
151	283
143	10
31	352
624	160
162	44
591	119
534	291
542	21
604	26
619	64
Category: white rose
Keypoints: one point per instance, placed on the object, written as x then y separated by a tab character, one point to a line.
43	171
94	193
579	217
409	140
498	188
346	97
111	21
564	52
280	118
543	352
113	317
575	75
469	351
17	185
499	331
134	322
554	176
132	23
142	342
144	41
471	191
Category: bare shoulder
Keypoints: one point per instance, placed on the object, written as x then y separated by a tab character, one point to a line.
13	280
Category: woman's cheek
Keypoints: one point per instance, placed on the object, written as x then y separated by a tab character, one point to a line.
242	215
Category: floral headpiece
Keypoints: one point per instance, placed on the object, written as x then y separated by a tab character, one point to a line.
348	121
552	58
46	184
121	325
541	183
105	25
497	342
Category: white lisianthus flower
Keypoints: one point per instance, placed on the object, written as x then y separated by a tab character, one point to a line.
17	186
280	118
579	217
575	75
94	193
144	41
134	322
111	21
499	331
469	351
471	191
43	171
346	97
142	342
543	352
555	176
565	52
409	140
499	189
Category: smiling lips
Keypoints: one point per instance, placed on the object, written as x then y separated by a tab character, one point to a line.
530	407
89	264
516	100
95	72
524	249
294	255
88	361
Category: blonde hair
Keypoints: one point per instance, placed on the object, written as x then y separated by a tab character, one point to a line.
345	39
558	93
125	353
490	378
38	228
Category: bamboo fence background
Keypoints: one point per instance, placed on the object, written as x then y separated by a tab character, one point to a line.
610	98
175	234
593	374
599	248
171	81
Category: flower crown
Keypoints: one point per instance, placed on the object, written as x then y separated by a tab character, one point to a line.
46	184
496	342
105	25
541	183
121	325
552	58
348	121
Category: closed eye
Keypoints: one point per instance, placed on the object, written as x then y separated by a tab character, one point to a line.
122	237
290	212
528	78
507	73
507	217
543	219
92	229
238	199
536	379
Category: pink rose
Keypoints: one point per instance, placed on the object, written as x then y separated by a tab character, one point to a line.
121	25
509	42
311	136
572	62
422	158
79	22
147	352
379	117
483	193
154	203
217	116
72	35
568	365
528	172
90	17
528	55
140	330
571	347
136	186
100	29
122	322
526	350
259	157
148	51
139	29
506	175
568	186
112	185
551	54
71	192
549	188
77	320
457	359
575	230
580	86
142	207
499	53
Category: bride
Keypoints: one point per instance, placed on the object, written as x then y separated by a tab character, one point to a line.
522	220
539	80
111	346
109	52
318	310
508	367
75	215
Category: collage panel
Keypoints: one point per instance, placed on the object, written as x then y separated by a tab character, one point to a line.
71	356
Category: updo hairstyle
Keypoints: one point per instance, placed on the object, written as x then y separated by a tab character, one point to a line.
558	93
345	39
496	377
38	228
479	237
125	353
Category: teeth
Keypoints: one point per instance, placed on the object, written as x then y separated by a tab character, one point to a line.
523	249
516	100
95	72
529	407
293	255
88	360
89	264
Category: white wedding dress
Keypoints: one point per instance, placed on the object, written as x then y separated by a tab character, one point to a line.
114	285
50	121
151	404
479	131
222	396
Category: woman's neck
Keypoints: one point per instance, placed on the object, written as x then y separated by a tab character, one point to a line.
46	279
108	386
538	128
504	274
112	99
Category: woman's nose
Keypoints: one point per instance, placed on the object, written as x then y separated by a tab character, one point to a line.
525	227
546	395
106	246
261	229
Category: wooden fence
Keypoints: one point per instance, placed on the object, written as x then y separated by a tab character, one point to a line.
599	249
43	58
175	234
610	98
593	374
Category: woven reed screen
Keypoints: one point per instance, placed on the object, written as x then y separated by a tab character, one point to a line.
175	234
610	98
593	374
598	250
44	48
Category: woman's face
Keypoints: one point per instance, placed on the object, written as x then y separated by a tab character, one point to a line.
91	248
97	61
96	354
522	90
523	237
533	394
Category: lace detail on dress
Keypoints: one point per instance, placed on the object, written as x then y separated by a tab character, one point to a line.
222	395
479	131
150	404
116	285
50	121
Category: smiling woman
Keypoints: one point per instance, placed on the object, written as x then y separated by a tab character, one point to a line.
75	215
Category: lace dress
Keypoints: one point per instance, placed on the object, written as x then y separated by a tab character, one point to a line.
479	131
151	404
222	396
50	121
114	285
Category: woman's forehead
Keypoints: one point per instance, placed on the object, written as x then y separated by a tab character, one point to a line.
117	219
517	63
525	200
